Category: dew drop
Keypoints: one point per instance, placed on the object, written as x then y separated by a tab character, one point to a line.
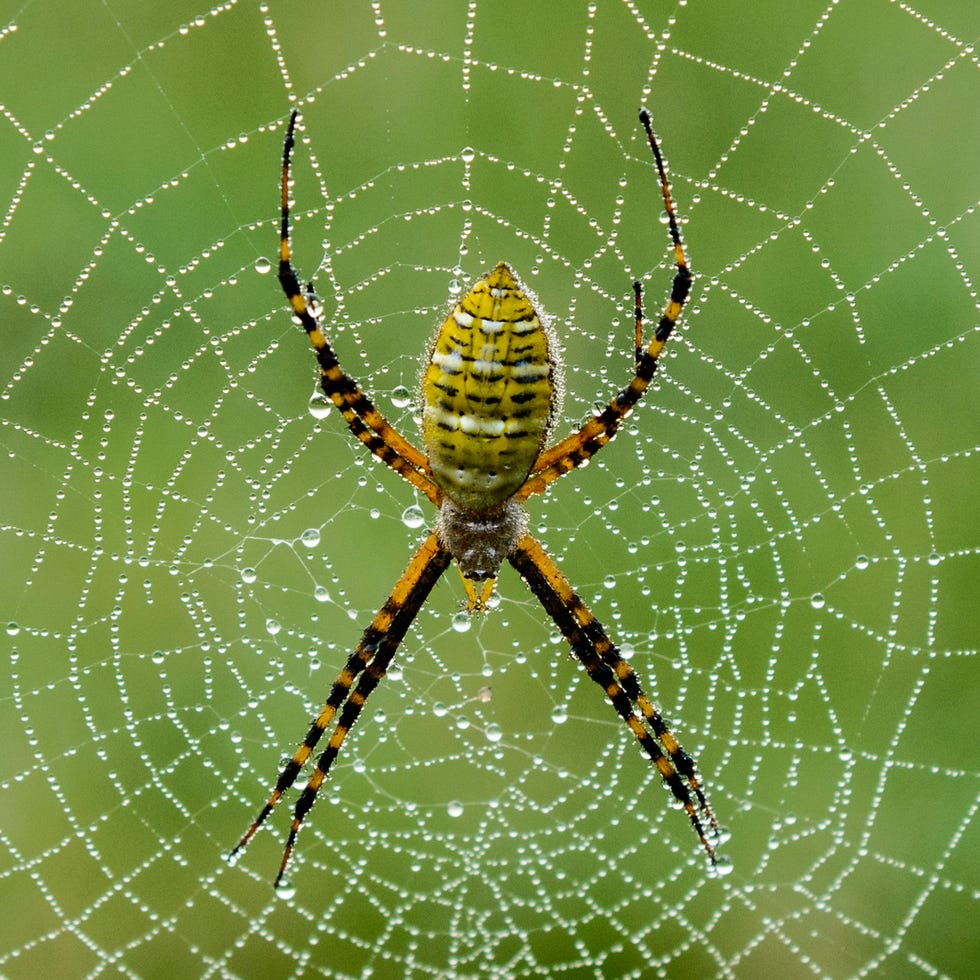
319	405
413	516
723	867
461	621
310	537
454	808
263	266
722	835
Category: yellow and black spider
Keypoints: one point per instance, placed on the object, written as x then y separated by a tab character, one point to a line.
489	399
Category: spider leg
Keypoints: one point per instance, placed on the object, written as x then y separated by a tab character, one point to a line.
359	412
371	658
626	675
600	657
581	446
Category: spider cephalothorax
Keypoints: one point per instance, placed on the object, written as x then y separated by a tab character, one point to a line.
490	395
480	542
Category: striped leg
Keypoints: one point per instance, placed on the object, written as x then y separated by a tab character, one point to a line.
613	674
371	657
370	679
363	419
609	653
579	447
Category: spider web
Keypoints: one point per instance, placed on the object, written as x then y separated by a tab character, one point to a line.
783	539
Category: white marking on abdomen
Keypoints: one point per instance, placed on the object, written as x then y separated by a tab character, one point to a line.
486	368
471	424
451	363
529	370
521	327
474	425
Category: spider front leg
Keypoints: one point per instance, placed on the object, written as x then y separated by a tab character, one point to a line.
359	412
597	653
581	446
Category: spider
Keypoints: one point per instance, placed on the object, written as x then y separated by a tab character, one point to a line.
489	399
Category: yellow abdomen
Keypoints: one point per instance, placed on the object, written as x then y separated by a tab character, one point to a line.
488	393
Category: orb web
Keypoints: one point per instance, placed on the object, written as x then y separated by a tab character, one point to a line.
780	539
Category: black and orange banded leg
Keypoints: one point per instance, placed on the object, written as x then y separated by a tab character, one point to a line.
579	447
614	675
369	680
371	658
626	675
359	412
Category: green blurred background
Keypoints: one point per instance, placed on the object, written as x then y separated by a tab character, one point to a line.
784	538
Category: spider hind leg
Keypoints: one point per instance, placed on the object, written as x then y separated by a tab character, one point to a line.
369	662
597	653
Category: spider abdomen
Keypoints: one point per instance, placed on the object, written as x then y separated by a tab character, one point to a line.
488	393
